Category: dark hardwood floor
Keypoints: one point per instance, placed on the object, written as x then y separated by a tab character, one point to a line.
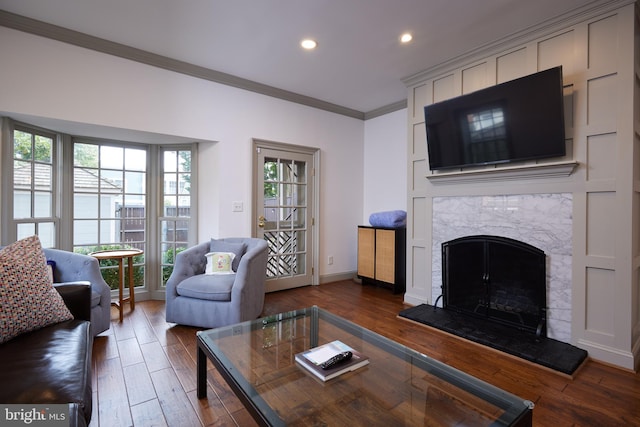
145	370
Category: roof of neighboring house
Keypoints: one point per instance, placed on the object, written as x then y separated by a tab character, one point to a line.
84	180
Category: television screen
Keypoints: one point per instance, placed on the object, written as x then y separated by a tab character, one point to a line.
522	119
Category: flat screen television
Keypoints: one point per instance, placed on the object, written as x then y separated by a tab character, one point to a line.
522	119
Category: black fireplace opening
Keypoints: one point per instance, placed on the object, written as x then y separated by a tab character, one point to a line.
496	278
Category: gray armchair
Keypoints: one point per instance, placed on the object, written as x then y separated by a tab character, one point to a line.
209	300
72	267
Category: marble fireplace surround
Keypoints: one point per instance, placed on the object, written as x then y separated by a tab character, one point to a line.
541	220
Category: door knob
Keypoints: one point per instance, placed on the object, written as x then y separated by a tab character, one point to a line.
261	221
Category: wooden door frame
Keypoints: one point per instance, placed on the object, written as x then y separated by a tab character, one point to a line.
256	144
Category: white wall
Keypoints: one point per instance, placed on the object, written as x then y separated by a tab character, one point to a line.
385	164
53	80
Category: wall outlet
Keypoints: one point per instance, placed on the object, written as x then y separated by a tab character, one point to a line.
330	260
237	206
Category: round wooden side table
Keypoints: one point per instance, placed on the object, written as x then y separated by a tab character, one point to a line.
120	255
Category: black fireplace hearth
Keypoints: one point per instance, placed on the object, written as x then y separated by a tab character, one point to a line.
547	352
494	294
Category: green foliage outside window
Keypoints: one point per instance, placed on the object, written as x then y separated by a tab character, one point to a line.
168	260
270	175
109	267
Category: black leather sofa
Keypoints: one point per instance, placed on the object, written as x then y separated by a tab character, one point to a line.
52	365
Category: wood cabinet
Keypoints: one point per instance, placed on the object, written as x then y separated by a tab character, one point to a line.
381	256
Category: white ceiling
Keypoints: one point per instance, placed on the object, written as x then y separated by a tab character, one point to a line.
359	62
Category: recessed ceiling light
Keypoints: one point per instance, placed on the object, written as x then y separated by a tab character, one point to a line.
406	38
308	44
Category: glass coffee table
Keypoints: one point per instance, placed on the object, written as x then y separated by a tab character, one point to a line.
399	387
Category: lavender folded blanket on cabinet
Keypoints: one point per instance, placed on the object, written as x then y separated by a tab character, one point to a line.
389	219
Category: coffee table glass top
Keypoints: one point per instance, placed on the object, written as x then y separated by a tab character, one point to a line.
399	386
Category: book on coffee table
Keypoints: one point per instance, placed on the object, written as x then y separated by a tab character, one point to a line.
313	359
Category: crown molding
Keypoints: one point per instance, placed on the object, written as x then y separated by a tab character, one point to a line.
65	35
396	106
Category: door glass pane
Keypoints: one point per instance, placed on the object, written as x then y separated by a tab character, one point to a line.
300	243
299	218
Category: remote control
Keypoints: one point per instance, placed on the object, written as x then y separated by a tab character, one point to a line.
342	357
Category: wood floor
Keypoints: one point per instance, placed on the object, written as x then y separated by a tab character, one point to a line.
145	370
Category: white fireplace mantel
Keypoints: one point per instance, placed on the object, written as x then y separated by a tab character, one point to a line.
509	173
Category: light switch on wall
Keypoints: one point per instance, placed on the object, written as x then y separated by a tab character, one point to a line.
237	206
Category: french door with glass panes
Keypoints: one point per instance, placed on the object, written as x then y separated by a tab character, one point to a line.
285	216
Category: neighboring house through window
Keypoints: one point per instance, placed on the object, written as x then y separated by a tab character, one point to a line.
111	194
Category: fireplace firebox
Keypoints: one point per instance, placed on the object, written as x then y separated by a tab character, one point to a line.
496	278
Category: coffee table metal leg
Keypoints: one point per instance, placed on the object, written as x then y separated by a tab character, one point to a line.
202	374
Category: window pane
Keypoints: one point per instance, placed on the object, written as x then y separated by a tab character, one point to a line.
184	202
134	207
21	204
42	205
46	233
111	180
167	231
26	230
44	146
134	182
170	184
110	231
22	146
109	205
85	232
135	159
43	176
111	157
185	161
170	204
85	205
184	183
22	174
170	161
85	155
